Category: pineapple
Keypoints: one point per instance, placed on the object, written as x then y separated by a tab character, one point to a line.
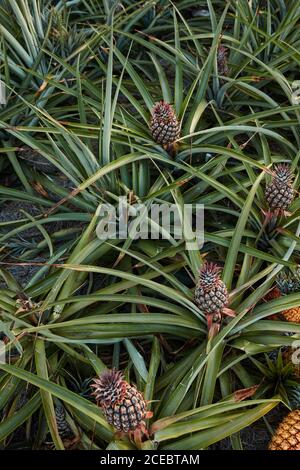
273	294
164	125
124	407
211	296
280	193
64	430
222	60
287	435
291	315
63	427
287	284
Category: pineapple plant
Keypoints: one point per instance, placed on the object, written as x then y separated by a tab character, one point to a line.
280	193
164	125
124	407
211	296
287	435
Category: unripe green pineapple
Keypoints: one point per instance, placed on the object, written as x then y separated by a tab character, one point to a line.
164	125
124	407
280	193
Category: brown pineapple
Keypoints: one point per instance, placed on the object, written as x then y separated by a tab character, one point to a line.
164	125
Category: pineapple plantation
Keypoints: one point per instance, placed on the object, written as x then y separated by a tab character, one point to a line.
113	340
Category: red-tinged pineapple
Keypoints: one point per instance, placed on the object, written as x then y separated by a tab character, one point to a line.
124	407
211	296
164	125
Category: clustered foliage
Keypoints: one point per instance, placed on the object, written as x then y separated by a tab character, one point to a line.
157	102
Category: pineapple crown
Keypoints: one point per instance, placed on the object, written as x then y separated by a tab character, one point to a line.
209	275
288	282
282	174
163	110
110	388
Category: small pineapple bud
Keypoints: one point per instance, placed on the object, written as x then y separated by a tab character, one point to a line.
211	294
124	407
164	125
280	193
291	315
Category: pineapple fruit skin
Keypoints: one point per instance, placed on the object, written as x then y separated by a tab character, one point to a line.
164	125
286	284
214	300
280	193
211	294
279	197
291	315
287	435
129	413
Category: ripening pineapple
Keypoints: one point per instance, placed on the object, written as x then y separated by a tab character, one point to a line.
291	315
287	284
164	125
124	407
212	297
287	435
272	295
280	193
